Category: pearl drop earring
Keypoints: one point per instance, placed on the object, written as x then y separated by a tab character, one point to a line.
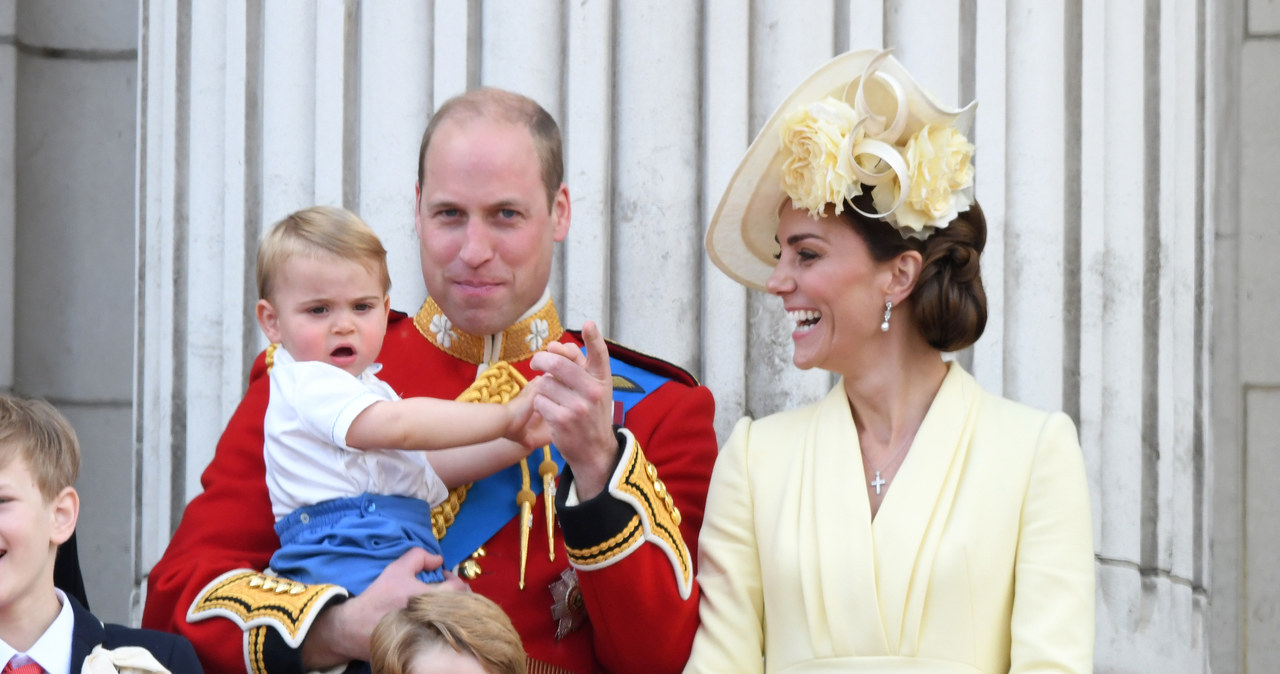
888	311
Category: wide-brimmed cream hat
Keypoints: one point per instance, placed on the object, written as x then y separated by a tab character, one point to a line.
867	110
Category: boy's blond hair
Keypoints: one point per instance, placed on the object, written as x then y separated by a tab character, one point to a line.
36	432
316	230
466	622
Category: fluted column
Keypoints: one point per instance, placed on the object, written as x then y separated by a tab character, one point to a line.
73	310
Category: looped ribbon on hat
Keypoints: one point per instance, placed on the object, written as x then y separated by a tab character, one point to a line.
882	134
122	660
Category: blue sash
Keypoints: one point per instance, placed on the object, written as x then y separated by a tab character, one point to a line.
491	502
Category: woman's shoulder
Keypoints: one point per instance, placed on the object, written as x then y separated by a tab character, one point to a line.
1014	415
784	419
773	435
1023	430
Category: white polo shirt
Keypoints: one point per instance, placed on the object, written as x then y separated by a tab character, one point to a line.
312	405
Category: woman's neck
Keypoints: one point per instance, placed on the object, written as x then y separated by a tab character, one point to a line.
889	399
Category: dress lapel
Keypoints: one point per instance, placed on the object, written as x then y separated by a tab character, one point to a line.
835	520
914	513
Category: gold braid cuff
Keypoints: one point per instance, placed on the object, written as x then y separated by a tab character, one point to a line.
657	519
251	599
255	643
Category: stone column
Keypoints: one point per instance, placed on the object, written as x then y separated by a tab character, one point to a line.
76	96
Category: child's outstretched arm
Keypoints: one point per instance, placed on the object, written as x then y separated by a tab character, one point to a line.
527	432
428	423
474	439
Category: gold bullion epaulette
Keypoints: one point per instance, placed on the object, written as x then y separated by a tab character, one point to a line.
252	599
657	519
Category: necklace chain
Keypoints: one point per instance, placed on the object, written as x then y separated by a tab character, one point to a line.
878	481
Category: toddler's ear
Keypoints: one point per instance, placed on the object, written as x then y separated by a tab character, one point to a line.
269	321
66	510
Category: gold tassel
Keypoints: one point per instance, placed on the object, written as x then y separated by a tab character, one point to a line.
525	499
548	469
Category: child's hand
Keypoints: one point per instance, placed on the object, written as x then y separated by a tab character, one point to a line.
527	427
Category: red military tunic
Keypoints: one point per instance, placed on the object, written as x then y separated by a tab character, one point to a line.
631	549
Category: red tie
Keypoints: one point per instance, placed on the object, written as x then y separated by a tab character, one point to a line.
29	668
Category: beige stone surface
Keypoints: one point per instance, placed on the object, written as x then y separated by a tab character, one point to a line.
74	289
1259	292
87	26
1262	513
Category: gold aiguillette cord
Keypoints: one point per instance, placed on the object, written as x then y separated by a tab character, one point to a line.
548	469
525	498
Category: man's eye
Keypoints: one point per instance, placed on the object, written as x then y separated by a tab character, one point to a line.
507	213
448	213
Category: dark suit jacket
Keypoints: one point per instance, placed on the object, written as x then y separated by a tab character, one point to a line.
173	651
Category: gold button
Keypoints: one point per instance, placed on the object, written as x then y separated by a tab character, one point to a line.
469	569
479	552
651	470
675	515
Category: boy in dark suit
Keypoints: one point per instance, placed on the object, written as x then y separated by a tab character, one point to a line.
42	630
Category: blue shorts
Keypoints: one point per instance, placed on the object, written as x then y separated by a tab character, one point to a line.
349	541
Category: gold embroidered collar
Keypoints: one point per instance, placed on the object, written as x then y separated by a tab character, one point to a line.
516	343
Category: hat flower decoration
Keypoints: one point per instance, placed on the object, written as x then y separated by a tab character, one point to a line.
858	121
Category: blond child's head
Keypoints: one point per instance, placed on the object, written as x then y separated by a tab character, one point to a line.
320	231
322	288
39	462
447	632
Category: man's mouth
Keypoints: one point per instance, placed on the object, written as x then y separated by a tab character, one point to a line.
804	319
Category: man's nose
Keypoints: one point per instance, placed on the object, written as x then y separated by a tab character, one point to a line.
477	244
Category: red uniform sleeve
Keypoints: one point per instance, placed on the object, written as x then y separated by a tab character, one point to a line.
227	527
636	590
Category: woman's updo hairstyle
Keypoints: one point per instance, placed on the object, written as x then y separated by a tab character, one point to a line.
948	303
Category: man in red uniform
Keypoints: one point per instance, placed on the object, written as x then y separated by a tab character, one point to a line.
633	449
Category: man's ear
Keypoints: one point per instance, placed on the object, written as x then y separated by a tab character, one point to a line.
560	212
417	208
269	321
66	510
904	271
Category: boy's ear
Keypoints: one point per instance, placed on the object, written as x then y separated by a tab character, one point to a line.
66	510
269	321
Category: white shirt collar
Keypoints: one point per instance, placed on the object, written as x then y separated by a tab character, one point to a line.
52	650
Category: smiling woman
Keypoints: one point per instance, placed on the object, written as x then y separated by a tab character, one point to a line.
871	238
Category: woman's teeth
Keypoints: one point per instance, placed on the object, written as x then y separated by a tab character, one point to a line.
804	319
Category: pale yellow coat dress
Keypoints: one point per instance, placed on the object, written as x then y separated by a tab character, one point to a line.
980	558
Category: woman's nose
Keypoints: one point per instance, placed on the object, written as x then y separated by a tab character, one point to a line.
779	281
